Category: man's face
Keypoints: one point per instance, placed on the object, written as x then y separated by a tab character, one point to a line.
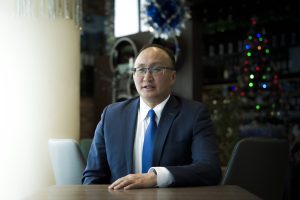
156	86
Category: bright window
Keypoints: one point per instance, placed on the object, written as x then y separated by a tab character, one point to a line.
126	17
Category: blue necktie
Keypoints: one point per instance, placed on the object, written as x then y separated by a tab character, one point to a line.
148	142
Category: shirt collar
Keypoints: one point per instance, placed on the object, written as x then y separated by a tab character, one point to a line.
144	109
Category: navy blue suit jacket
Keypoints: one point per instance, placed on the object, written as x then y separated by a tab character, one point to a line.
185	143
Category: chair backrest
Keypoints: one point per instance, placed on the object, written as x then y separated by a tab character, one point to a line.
85	145
67	161
259	165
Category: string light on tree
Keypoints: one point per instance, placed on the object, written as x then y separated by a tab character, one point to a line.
259	84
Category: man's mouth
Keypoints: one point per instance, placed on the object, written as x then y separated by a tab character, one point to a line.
148	87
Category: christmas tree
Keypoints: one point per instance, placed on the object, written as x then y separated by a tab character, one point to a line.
259	87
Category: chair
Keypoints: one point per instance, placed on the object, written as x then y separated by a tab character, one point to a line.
259	165
85	145
67	161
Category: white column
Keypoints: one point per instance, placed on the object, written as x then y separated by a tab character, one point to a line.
39	96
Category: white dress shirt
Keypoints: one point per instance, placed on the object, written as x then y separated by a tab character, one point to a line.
164	176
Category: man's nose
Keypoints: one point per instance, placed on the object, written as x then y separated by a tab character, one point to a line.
148	75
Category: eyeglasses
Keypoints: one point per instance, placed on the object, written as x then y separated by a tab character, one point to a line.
155	71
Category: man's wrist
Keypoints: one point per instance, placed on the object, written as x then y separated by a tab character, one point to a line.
164	176
153	177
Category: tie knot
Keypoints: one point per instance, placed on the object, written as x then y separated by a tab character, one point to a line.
151	114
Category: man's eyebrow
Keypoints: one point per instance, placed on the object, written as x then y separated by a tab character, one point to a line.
144	65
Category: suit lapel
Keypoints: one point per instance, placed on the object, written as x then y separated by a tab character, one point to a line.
168	115
131	129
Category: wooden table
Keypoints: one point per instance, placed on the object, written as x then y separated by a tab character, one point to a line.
101	192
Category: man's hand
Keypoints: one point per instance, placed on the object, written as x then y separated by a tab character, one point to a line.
134	181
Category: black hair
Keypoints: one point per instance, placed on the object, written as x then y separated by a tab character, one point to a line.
164	48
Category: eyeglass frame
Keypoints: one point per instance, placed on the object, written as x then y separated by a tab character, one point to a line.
144	70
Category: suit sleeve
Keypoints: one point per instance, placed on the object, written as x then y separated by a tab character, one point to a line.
205	167
97	170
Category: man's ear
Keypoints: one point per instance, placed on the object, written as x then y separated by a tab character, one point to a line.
173	77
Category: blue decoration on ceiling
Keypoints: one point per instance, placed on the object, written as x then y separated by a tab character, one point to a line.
166	18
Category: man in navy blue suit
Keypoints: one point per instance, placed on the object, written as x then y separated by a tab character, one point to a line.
185	151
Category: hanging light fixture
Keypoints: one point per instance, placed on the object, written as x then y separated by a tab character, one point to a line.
53	9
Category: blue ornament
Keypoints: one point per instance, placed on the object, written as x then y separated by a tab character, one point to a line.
166	18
